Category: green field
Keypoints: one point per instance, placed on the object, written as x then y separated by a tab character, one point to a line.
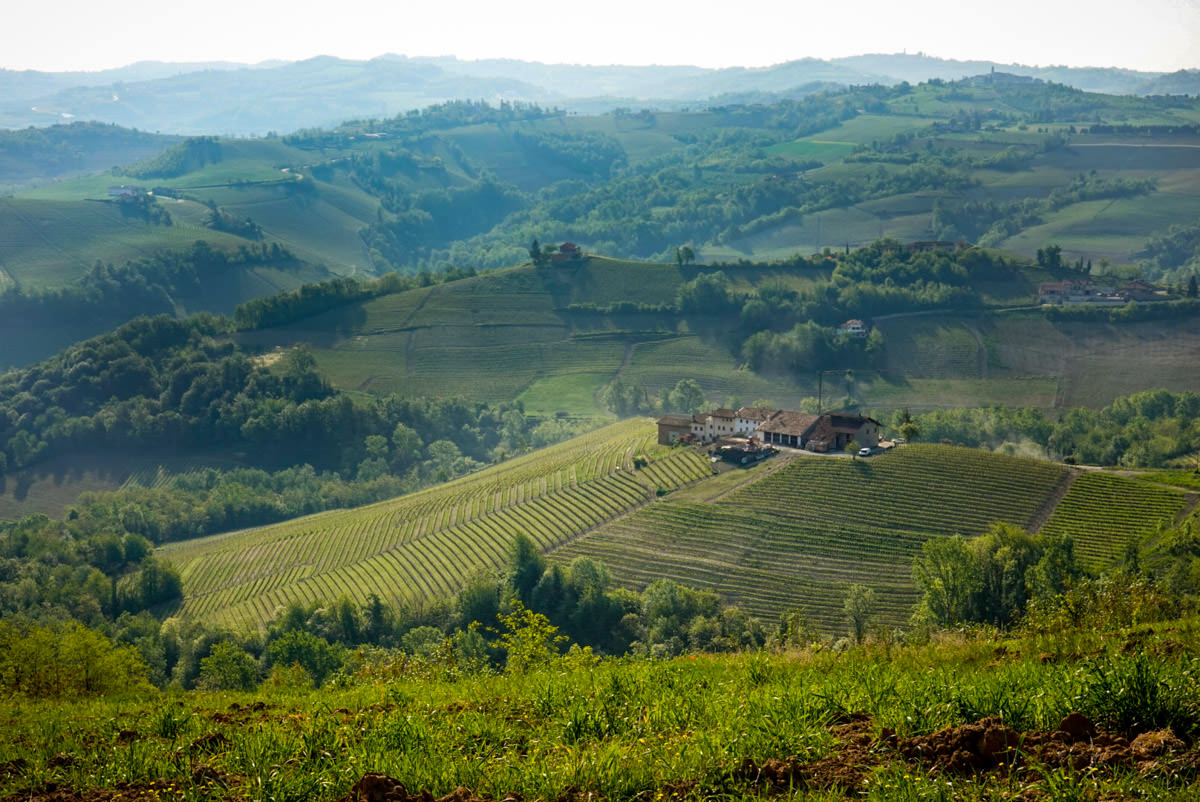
510	335
323	224
802	723
801	535
48	244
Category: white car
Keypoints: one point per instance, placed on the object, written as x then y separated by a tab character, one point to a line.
864	451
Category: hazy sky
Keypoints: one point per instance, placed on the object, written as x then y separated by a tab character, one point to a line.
96	34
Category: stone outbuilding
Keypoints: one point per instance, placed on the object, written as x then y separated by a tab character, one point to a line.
672	427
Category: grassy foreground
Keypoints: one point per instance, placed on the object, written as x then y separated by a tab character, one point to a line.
813	724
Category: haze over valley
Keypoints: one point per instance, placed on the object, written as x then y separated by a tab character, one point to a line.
664	403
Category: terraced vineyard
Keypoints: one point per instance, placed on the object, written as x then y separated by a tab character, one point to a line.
937	489
766	563
1103	512
423	546
802	534
779	537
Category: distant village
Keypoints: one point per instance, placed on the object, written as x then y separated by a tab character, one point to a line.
830	431
1084	291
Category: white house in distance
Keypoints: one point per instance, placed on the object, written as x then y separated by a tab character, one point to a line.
853	328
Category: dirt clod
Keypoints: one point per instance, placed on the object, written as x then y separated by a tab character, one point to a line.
1153	745
375	787
210	742
1077	726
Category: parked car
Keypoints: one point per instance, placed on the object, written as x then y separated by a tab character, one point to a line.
864	451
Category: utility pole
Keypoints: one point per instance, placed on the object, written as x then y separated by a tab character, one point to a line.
821	386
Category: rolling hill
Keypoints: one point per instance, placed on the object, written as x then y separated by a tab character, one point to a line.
550	338
255	99
1005	162
790	533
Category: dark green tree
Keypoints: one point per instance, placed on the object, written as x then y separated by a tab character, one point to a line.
314	654
228	668
525	566
860	610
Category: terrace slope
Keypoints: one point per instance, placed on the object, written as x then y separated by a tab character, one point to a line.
793	533
800	535
424	546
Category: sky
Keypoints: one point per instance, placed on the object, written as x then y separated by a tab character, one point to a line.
1151	35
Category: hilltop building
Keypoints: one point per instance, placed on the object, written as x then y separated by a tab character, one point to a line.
853	328
780	427
788	428
567	252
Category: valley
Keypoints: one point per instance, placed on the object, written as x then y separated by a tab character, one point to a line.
445	430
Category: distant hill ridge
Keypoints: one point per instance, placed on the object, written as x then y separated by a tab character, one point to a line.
239	99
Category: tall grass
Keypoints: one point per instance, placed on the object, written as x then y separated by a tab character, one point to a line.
617	729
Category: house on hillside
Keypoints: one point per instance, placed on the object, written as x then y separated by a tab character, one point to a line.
787	428
673	427
125	191
748	419
1143	292
850	426
718	423
778	427
1079	291
852	328
567	252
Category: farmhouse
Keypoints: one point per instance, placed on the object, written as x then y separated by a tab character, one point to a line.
673	427
125	191
779	427
852	328
750	418
846	427
1079	291
567	252
787	428
1143	291
718	423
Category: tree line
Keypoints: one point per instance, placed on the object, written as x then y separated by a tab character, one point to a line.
162	384
526	613
1148	429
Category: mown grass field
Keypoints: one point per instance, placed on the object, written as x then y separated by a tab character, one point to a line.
49	244
748	726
